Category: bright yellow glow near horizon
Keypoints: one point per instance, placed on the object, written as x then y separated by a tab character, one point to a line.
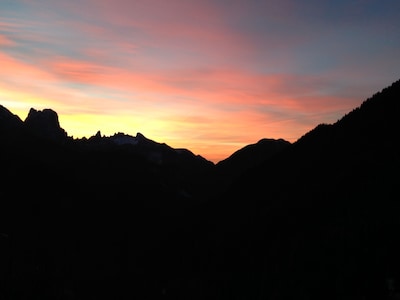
81	125
86	125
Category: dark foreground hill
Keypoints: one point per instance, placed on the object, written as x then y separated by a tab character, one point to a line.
321	220
125	217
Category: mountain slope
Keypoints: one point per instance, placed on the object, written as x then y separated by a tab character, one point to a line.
320	220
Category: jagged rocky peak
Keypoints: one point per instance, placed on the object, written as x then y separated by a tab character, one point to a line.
123	139
46	116
140	136
142	140
45	124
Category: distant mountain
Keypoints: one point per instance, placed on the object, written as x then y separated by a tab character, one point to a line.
246	158
159	153
251	155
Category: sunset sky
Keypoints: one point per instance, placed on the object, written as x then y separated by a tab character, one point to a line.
208	75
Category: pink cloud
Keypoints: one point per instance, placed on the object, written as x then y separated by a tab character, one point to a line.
19	71
219	88
161	30
6	41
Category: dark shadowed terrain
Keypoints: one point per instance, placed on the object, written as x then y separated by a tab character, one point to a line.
125	217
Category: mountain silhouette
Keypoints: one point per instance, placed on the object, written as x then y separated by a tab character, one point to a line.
44	123
229	169
253	154
122	217
250	156
320	219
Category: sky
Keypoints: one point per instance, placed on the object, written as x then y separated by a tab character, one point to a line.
208	75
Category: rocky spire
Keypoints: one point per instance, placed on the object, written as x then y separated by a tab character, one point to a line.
44	123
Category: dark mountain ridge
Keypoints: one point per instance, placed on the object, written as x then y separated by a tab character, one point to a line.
104	218
321	218
44	124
